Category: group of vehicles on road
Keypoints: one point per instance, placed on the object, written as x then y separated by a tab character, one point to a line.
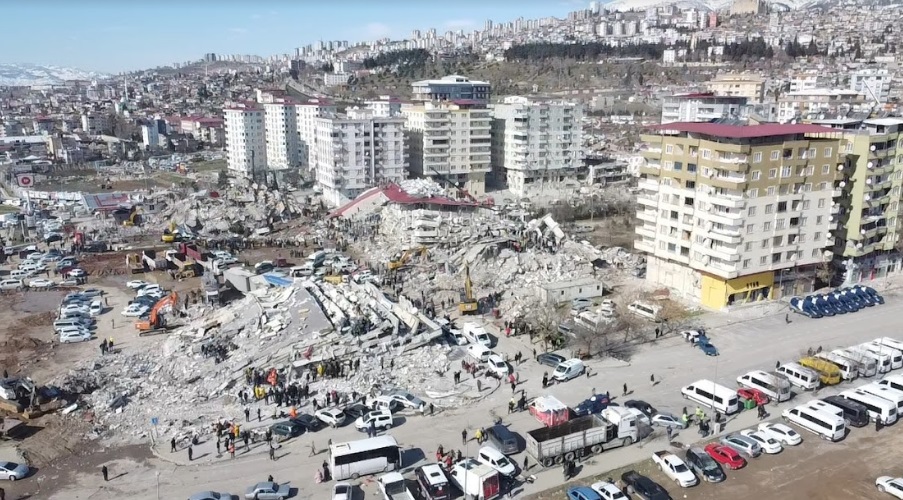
78	315
840	301
34	263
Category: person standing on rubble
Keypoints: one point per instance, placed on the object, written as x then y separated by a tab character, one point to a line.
105	473
172	445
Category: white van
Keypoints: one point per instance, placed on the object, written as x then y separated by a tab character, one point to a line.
889	342
645	310
476	334
865	365
819	405
18	274
15	284
848	368
892	381
826	425
715	396
479	352
800	376
64	323
317	258
884	392
896	357
883	360
775	386
568	369
878	408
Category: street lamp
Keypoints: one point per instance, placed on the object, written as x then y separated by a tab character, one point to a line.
157	475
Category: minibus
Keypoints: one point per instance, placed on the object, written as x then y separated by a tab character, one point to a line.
715	396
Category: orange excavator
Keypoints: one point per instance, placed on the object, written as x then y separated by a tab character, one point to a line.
155	320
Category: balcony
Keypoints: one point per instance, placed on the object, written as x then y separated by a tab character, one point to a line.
647	216
653	152
647	200
644	245
646	231
648	185
733	159
725	235
732	178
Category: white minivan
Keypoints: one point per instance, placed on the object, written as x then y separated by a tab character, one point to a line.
799	375
476	334
715	396
479	352
568	369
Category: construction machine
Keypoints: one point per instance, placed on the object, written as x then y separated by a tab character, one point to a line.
155	320
462	193
134	218
169	234
401	259
468	303
134	263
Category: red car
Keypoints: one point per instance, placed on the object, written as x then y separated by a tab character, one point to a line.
725	455
756	395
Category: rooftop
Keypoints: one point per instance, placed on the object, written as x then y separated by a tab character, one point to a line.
744	131
450	79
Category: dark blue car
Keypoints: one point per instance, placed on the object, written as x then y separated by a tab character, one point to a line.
801	306
592	405
702	342
876	297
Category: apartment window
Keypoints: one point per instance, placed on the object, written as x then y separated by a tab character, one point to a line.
763	260
802	221
776	258
810	170
818	219
822	186
777	241
805	204
752	193
816	252
829	152
752	211
756	174
812	153
661	245
764	244
802	238
769	209
745	263
807	187
772	173
821	203
672	248
826	169
767	226
748	246
786	172
757	157
782	206
750	228
669	149
791	256
776	154
691	167
706	153
669	165
780	224
678	166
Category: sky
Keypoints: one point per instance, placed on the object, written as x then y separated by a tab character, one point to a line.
112	36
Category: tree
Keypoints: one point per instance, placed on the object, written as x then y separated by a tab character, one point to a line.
222	179
825	272
544	318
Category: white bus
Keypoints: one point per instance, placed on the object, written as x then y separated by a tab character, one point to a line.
892	381
819	405
827	425
365	456
883	360
848	369
773	385
715	396
889	342
866	366
878	408
884	392
896	357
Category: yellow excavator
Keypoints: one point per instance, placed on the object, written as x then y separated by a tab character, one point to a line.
401	259
169	233
468	303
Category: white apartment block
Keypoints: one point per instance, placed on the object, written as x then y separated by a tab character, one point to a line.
536	142
873	83
281	130
702	107
95	123
356	151
450	143
150	136
818	104
246	146
307	112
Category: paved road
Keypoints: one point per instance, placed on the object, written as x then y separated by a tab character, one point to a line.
754	344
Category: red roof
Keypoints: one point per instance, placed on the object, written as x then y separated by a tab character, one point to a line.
394	194
745	131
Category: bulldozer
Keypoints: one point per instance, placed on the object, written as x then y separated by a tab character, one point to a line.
468	304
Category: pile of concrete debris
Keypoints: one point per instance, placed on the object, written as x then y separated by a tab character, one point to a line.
185	389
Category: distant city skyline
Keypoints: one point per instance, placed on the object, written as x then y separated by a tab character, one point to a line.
111	37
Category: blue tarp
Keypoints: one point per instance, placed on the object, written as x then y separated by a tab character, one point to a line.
277	280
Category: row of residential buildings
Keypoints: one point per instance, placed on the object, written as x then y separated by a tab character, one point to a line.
449	132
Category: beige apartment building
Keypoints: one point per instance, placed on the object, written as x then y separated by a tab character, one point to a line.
737	213
745	85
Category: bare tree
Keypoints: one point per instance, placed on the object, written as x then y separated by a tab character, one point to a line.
674	316
544	319
629	323
825	272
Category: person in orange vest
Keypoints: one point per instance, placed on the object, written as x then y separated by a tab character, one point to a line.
237	431
293	412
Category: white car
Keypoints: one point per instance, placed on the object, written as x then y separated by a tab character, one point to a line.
342	491
136	284
608	491
890	485
667	420
41	283
640	416
497	365
135	310
332	416
769	444
382	419
74	308
150	290
782	433
96	308
495	459
691	335
78	273
71	336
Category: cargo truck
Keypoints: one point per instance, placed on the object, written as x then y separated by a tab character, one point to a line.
583	436
477	481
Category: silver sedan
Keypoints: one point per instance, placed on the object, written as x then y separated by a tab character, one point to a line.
13	471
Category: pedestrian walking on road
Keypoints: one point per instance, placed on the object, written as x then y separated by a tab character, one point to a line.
432	409
258	414
172	445
526	463
247	414
272	452
464	436
105	472
787	318
877	424
625	389
2	494
218	448
232	450
313	449
652	379
190	453
669	430
545	380
513	387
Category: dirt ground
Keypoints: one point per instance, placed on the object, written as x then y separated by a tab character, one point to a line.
815	469
614	231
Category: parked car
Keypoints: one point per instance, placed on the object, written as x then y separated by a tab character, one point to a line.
782	433
136	284
356	410
667	420
267	491
73	336
646	408
592	405
725	455
342	491
608	491
582	493
309	422
497	365
753	394
381	419
92	292
14	284
41	283
768	444
643	487
742	444
135	310
407	399
890	485
96	308
581	304
495	459
78	273
550	359
704	465
286	430
13	471
332	416
210	495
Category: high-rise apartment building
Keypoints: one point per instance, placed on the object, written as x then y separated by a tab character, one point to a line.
536	141
731	214
150	135
450	142
702	107
749	86
356	151
246	146
95	123
307	112
451	88
870	228
873	83
281	131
